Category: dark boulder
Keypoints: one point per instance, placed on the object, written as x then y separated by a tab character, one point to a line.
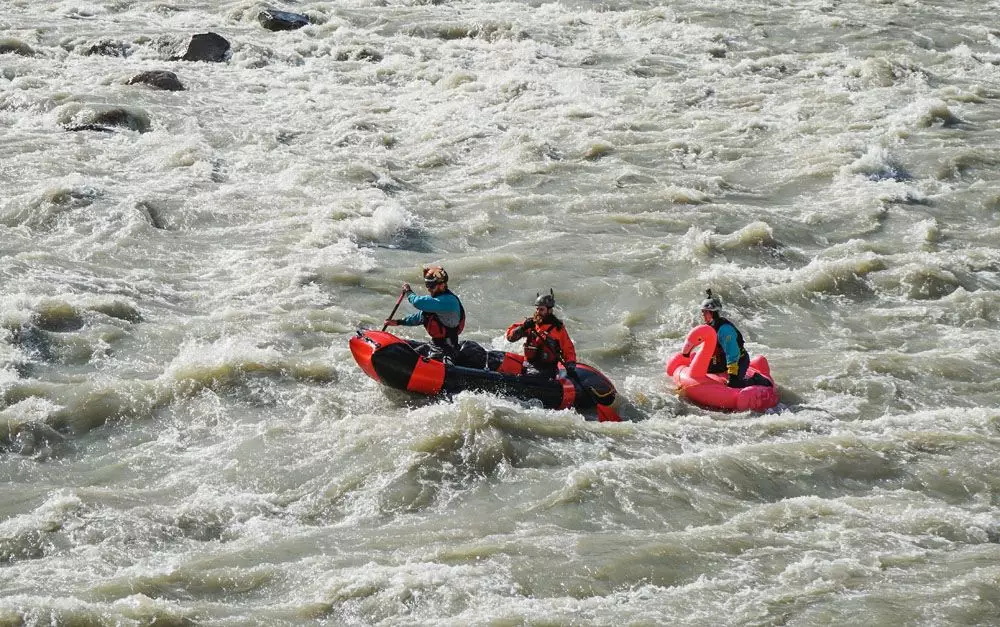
281	20
158	79
207	47
15	46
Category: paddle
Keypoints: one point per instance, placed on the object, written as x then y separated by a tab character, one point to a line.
393	312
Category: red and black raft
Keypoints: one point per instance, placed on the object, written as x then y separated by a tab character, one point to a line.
396	362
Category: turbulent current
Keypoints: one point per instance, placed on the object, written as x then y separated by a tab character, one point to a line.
185	438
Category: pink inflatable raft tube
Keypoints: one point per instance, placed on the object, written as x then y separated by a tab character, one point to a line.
710	390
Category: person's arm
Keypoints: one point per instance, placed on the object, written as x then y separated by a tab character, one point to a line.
412	320
727	338
567	348
434	304
518	330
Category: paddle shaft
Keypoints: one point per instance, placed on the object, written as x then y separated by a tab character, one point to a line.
393	312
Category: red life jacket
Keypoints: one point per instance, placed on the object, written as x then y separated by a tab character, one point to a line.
440	334
542	346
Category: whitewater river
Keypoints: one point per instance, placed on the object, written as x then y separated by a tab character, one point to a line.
185	438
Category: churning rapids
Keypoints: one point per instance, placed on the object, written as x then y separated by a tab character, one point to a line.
185	438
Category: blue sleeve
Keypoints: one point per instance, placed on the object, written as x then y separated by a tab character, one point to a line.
727	338
435	304
412	320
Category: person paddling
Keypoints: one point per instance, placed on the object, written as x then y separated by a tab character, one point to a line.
731	355
440	312
547	343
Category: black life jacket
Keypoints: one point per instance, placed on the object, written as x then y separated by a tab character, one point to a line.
441	335
719	358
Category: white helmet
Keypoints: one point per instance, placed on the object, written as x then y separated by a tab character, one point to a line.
711	303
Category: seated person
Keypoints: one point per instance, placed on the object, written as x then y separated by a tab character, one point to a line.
441	313
730	355
546	340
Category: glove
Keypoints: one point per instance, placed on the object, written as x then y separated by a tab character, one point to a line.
406	288
527	324
571	370
392	323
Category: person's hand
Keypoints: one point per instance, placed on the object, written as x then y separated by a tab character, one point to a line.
528	323
571	370
392	323
406	288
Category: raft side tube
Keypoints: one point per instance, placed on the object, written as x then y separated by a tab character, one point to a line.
524	387
396	363
598	387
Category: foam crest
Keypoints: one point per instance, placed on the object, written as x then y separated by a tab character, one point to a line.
232	364
878	164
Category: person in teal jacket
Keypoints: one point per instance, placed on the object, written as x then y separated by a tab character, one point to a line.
440	312
730	355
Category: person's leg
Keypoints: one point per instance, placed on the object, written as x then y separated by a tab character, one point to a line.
744	363
716	367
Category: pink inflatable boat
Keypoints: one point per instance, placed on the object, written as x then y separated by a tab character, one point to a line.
710	390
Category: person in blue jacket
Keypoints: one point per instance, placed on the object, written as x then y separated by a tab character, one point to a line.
440	312
730	355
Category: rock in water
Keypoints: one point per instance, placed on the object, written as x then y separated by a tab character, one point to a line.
207	47
281	20
159	79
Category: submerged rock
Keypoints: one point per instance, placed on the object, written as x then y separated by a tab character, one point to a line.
158	79
362	54
108	118
119	310
108	48
90	127
207	47
58	317
33	438
151	213
281	20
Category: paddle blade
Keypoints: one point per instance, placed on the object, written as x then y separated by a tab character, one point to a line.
607	413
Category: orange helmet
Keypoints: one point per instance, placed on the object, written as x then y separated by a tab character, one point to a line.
434	275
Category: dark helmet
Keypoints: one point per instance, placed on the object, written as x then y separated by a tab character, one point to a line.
434	275
546	300
711	303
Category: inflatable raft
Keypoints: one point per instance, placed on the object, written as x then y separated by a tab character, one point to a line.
396	362
689	369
